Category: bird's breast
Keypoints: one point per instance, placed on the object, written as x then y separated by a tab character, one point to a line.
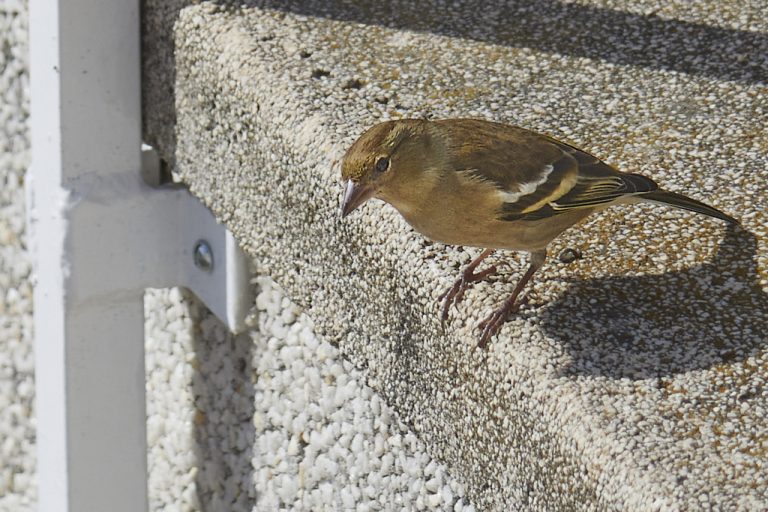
459	222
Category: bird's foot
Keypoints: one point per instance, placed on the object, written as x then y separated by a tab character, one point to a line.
495	320
455	293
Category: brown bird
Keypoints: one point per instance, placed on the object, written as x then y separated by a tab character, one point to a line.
489	185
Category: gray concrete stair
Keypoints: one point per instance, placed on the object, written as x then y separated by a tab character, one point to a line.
637	377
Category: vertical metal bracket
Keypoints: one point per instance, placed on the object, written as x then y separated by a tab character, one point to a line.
100	235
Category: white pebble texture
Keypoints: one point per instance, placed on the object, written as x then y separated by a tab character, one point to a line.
273	420
17	428
170	354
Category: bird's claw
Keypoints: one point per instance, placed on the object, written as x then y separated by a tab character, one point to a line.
455	293
491	325
447	297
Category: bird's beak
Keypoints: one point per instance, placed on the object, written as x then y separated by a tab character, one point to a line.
354	195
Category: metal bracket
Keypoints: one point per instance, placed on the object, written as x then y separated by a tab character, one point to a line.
192	249
99	236
153	237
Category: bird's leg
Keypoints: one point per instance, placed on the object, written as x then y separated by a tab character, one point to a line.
493	323
455	293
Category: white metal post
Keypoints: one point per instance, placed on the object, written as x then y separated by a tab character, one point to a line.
86	128
100	236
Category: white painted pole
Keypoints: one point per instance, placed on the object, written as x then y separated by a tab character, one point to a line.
86	130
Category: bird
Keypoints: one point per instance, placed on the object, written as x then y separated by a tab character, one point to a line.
490	185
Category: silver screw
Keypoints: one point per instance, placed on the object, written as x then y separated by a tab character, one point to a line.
203	255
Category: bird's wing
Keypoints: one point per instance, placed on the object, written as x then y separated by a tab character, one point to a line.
596	183
537	176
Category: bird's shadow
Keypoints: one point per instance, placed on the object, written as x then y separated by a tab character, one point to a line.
655	326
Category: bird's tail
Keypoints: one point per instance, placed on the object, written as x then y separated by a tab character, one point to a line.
685	203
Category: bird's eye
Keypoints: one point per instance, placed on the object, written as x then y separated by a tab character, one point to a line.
382	164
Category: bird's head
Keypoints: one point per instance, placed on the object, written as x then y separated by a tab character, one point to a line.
383	160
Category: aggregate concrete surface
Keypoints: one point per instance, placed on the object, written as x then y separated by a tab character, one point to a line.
636	377
273	420
17	428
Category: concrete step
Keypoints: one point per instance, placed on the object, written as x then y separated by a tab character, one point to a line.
636	378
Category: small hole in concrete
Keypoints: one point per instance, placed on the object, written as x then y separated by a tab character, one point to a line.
569	255
353	83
